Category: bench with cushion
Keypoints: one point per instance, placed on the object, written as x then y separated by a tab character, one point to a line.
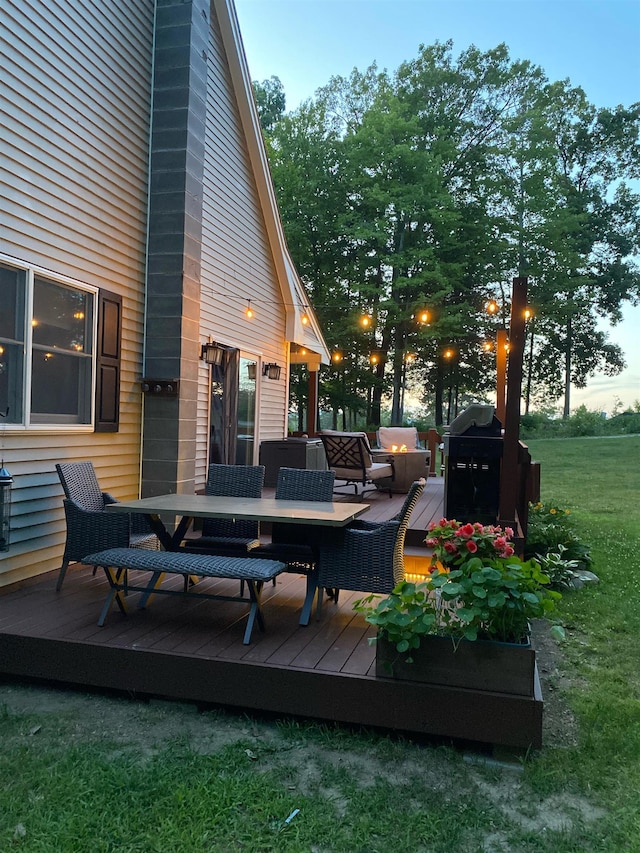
116	563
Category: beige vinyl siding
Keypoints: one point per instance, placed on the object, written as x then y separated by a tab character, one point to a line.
74	107
237	262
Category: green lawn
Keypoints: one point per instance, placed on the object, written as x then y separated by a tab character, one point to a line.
97	774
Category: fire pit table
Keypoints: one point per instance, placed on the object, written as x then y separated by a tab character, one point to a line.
410	465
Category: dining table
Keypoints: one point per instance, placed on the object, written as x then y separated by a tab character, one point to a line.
162	511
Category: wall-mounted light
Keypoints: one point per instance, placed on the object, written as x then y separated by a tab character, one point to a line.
212	353
251	371
271	371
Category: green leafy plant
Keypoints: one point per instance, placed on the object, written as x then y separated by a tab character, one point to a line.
561	571
548	528
482	599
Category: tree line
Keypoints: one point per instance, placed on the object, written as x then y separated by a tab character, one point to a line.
413	199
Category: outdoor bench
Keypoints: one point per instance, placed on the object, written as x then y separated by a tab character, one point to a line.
116	563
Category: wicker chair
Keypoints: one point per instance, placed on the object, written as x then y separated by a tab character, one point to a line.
89	527
293	543
224	536
367	559
349	457
296	544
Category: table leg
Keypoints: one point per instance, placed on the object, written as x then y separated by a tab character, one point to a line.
312	588
170	542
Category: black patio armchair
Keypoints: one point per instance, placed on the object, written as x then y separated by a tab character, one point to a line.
296	544
367	558
90	527
349	457
227	537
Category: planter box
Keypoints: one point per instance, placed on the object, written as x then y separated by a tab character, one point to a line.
480	665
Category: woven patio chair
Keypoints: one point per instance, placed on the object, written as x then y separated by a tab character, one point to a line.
89	527
224	536
367	560
293	544
296	544
349	457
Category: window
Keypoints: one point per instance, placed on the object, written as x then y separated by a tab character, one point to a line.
47	334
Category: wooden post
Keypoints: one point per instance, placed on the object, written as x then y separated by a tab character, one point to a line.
312	404
509	471
501	375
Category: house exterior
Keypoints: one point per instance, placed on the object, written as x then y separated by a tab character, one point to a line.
138	223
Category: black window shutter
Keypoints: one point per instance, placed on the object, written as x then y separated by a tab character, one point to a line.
108	362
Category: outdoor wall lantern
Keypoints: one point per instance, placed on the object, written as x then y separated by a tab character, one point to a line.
6	481
251	371
212	353
272	371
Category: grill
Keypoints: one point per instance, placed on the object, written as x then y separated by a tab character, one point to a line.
473	454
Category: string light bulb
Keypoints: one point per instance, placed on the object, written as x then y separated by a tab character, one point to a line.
423	316
304	319
491	307
249	310
528	313
336	357
366	321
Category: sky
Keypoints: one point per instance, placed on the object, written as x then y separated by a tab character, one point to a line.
594	43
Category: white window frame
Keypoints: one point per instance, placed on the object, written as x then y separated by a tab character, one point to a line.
32	272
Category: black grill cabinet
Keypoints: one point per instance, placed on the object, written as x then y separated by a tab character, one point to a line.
473	458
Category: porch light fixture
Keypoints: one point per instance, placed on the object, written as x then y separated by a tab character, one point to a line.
251	371
212	353
271	371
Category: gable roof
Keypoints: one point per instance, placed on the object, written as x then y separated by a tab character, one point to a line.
296	301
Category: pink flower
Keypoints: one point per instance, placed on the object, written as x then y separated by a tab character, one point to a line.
509	532
450	548
467	531
471	546
499	543
431	543
508	551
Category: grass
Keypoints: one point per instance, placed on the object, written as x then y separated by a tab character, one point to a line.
94	774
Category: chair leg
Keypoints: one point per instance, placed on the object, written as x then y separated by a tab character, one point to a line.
63	571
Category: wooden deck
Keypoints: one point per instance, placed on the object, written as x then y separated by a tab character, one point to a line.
192	649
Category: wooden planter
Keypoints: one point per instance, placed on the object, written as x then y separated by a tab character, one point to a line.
479	665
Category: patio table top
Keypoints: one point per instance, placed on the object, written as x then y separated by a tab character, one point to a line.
333	514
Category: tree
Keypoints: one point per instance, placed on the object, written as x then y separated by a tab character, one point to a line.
271	102
431	189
